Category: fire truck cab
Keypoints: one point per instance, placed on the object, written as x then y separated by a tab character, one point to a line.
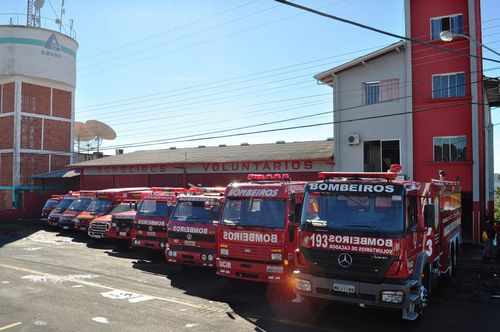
192	228
64	203
150	222
50	205
120	230
372	239
102	204
67	219
257	234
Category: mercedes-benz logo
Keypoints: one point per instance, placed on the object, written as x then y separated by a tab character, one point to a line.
189	236
345	260
150	228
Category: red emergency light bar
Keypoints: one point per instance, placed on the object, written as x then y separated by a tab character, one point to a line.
169	189
261	177
357	175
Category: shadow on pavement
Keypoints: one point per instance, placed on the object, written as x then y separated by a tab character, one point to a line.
465	304
14	230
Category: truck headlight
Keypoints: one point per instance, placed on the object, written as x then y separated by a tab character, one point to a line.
113	224
393	296
224	251
75	220
210	258
274	269
204	257
303	285
276	257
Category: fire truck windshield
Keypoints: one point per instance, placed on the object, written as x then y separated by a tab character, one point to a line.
99	205
50	204
383	214
123	207
256	212
80	204
63	205
152	208
194	211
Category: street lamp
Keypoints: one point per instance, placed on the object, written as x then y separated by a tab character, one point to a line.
448	36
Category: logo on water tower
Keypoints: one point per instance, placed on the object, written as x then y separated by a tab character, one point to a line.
52	47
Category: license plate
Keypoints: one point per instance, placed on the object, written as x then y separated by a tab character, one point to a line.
65	227
122	233
189	243
83	228
151	233
344	288
98	236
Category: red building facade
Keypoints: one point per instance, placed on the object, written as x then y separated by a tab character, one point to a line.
452	134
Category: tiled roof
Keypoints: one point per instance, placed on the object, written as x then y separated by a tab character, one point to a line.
313	150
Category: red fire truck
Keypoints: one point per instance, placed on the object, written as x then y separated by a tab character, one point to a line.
102	204
100	225
150	222
54	215
50	205
192	228
121	223
257	235
372	239
66	220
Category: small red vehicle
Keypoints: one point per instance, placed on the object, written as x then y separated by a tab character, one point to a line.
150	222
102	204
50	205
192	228
64	203
121	223
100	225
373	239
257	234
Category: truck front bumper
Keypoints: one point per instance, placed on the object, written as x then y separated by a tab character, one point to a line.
387	295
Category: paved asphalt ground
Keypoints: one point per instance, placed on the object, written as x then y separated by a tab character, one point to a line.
51	281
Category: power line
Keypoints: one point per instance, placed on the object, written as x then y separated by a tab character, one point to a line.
364	26
335	111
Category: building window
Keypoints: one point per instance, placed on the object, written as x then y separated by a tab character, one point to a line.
380	155
448	85
377	91
452	23
451	148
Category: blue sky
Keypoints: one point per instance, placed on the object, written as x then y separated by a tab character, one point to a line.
167	70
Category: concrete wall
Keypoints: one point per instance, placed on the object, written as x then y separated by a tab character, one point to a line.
348	106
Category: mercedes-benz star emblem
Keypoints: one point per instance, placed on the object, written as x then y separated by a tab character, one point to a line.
150	228
345	260
189	236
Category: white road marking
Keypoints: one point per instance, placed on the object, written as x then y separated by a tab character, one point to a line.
57	279
191	325
32	249
5	282
77	286
93	284
39	323
118	294
102	320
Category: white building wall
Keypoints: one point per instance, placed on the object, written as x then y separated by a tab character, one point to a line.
371	122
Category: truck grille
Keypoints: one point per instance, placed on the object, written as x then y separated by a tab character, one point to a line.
195	237
179	247
247	251
364	267
145	228
98	227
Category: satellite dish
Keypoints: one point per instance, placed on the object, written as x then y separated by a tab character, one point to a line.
100	130
81	132
39	3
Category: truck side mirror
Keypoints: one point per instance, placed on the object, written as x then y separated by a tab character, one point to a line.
291	214
429	215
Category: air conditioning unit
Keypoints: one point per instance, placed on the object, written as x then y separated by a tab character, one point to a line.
353	139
